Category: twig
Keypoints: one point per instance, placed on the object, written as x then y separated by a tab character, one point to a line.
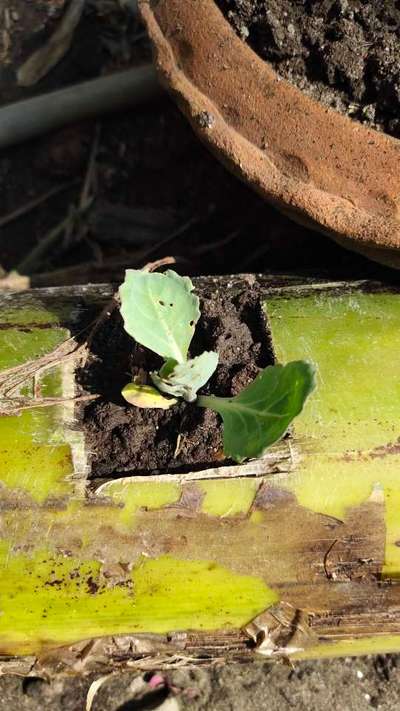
95	249
178	445
11	379
30	263
86	197
84	272
146	253
104	314
204	249
109	270
34	259
47	56
73	213
163	262
87	187
328	574
134	226
94	688
36	202
14	406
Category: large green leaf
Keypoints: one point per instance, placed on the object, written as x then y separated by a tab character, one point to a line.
262	412
185	379
160	311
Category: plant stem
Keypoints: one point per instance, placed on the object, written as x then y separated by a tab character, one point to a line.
34	258
206	401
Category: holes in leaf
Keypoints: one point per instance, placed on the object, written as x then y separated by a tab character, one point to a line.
191	323
161	303
171	304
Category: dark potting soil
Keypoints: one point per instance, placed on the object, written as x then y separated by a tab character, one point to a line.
122	438
345	53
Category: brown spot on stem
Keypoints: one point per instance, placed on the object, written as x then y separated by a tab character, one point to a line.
380	452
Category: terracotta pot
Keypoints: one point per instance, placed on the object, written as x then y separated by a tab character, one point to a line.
319	167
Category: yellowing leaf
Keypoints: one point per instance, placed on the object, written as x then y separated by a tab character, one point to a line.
146	396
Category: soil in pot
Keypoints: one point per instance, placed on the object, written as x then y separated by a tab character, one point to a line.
344	53
124	439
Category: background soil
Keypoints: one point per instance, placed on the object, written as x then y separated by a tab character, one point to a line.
345	53
147	159
339	685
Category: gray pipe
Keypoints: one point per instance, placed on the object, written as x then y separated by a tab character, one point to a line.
30	118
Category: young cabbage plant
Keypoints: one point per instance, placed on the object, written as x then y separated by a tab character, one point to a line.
160	311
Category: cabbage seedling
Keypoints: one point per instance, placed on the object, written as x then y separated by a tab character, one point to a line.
160	311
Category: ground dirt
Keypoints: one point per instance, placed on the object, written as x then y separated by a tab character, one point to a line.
148	159
340	685
345	53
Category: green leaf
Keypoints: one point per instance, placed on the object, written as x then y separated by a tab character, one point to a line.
185	379
160	311
262	412
146	396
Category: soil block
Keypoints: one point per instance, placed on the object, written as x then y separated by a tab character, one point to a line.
122	438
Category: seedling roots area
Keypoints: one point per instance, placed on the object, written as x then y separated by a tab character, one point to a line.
126	439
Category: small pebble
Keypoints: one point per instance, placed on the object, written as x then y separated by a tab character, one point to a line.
205	119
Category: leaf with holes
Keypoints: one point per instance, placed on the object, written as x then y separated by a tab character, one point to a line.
185	379
262	412
160	311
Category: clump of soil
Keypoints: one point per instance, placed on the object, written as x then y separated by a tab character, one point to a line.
122	438
345	53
